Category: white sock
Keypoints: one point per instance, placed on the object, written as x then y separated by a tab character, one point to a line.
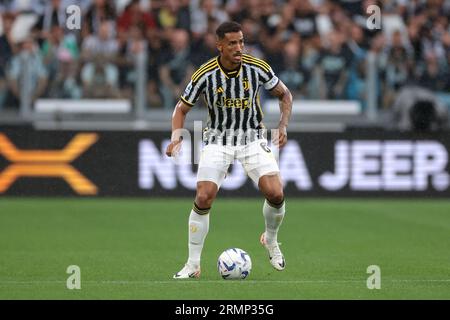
198	229
273	218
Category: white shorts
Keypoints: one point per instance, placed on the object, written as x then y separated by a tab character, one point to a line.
256	158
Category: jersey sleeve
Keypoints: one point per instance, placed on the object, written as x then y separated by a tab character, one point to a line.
268	78
192	92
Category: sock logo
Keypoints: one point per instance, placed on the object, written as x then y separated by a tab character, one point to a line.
279	217
193	228
47	163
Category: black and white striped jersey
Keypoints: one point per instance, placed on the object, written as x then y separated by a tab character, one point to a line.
232	97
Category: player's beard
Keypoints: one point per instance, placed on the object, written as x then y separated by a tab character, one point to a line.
237	58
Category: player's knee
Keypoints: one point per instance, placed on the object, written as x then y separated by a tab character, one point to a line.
275	196
204	199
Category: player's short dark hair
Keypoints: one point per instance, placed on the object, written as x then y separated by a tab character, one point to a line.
226	27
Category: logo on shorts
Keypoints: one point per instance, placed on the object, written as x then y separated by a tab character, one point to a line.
265	147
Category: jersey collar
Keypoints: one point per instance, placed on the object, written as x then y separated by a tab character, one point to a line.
229	73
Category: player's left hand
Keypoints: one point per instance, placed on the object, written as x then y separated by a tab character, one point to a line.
281	139
173	148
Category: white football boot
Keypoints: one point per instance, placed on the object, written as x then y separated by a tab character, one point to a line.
187	272
275	256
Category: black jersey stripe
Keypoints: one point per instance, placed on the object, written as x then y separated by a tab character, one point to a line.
195	92
223	108
246	112
239	93
259	113
229	111
253	120
249	110
210	95
199	91
218	97
254	80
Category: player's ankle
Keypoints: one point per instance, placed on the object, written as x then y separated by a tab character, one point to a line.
270	238
193	263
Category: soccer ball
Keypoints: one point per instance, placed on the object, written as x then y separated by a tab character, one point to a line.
234	263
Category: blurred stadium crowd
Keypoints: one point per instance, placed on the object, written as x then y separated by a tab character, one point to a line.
319	48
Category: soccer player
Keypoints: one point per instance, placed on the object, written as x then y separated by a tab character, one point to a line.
230	84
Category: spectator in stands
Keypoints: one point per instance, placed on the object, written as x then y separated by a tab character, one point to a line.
304	22
175	14
268	14
58	44
356	83
65	83
154	58
134	16
398	68
312	46
54	14
6	53
99	75
333	65
100	79
434	78
252	29
207	10
293	75
130	48
102	44
99	11
352	7
204	49
420	52
446	42
27	75
176	68
272	47
356	41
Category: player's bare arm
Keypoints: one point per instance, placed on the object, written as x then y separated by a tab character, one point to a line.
178	118
285	97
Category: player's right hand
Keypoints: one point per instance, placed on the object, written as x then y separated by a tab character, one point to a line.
173	148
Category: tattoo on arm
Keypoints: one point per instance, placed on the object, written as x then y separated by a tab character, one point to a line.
285	97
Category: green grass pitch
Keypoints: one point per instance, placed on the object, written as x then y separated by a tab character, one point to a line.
130	248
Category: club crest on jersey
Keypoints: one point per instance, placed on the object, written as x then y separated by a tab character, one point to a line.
246	85
241	103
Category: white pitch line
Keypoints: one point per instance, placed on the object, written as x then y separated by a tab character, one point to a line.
150	282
